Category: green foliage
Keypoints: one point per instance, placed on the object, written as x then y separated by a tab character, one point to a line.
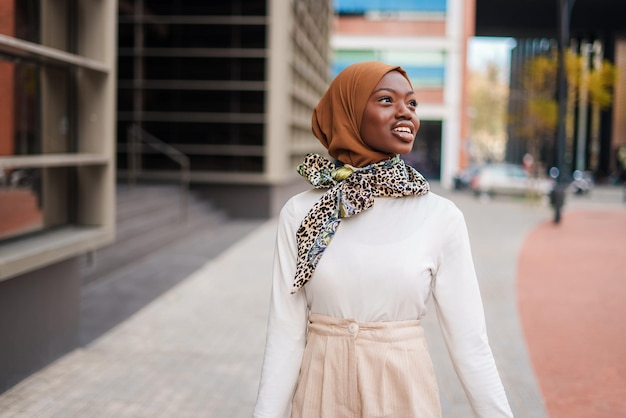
600	83
544	111
538	118
488	97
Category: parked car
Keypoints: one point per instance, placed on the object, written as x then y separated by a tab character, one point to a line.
463	178
508	179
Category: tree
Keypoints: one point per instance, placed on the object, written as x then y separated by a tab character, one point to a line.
538	119
487	99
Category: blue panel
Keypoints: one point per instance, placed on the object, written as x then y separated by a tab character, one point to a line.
431	73
362	6
420	75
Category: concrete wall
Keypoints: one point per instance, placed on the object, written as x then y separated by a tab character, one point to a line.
39	315
251	201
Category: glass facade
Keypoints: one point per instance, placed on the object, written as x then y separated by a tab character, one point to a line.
39	117
426	153
414	34
193	74
32	128
56	108
364	6
20	19
20	203
425	69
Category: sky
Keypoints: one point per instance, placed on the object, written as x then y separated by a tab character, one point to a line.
482	50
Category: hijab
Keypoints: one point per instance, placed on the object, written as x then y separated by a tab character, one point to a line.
336	120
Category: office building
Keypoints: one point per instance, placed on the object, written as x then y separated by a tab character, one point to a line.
227	86
428	38
57	141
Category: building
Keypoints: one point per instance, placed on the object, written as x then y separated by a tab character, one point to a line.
57	141
594	134
231	85
596	137
227	86
428	38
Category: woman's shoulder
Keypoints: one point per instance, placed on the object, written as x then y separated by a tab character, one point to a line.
441	213
437	204
442	202
299	205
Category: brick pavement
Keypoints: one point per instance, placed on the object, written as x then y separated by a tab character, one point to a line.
571	299
196	351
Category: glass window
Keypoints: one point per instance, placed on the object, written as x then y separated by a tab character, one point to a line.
35	108
38	118
20	19
35	199
56	115
364	6
20	202
344	57
206	8
426	153
425	69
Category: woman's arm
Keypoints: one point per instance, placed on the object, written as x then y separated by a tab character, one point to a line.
461	317
286	331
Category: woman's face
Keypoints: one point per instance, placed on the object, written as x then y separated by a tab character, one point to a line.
389	121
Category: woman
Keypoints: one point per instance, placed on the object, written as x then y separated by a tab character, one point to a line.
357	258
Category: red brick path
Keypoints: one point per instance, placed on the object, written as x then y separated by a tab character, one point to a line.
572	303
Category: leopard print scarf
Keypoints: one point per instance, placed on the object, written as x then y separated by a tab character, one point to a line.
351	190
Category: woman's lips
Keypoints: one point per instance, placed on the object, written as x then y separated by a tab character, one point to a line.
404	133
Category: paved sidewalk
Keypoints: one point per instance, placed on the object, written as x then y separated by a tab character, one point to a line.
193	352
571	300
197	350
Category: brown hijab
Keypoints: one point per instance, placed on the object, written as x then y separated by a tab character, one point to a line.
336	120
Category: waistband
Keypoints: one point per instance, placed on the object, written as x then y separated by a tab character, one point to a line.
378	331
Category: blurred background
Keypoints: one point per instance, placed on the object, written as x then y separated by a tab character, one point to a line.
128	125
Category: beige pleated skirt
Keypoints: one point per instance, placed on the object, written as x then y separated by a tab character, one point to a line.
365	370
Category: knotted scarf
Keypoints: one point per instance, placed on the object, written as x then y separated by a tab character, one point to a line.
351	191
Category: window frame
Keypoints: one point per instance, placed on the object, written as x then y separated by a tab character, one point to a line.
92	59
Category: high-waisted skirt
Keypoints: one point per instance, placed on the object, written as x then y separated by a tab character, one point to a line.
365	370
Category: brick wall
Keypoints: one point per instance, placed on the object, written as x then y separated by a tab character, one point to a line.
7	27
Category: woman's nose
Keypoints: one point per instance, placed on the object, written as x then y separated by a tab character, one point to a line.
404	111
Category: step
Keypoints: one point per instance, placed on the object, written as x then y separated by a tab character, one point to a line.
143	200
119	254
166	213
148	217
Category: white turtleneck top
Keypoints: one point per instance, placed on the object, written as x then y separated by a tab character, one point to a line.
382	265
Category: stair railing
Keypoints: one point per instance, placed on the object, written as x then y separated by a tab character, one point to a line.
136	137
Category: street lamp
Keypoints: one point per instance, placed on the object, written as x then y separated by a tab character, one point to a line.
558	193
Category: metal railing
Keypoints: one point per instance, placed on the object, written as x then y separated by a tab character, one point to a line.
136	137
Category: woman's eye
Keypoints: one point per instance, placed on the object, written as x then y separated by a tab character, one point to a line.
385	99
413	103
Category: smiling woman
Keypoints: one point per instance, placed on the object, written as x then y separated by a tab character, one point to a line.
357	258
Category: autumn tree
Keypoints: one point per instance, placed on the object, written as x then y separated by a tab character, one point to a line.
488	96
538	119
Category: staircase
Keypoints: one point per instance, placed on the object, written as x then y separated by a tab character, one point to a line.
148	217
155	249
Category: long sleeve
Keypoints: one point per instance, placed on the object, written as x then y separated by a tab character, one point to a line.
460	312
286	332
